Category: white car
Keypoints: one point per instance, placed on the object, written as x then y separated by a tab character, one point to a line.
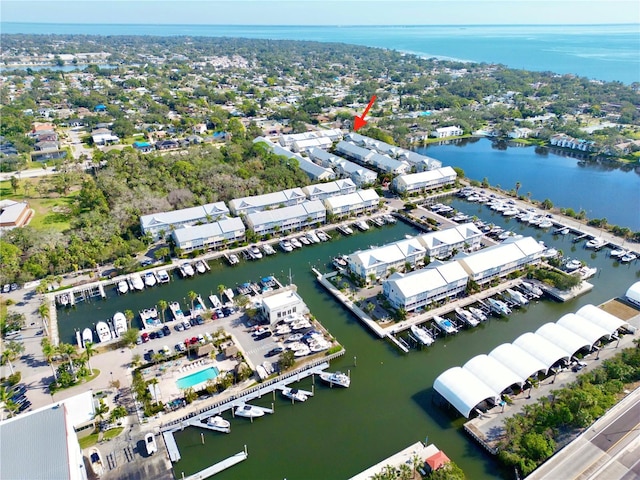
180	347
150	443
186	325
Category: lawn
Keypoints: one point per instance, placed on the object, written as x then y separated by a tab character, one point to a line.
91	440
51	213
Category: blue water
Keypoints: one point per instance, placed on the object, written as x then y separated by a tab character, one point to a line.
198	377
604	52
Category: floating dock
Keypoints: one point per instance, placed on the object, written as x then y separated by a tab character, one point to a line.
220	466
172	446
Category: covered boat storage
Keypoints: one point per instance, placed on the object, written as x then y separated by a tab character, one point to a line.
485	377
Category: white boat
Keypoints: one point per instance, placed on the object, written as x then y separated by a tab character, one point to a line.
150	443
628	257
302	352
300	324
322	236
256	253
572	265
294	338
87	337
150	279
340	261
163	276
102	329
283	330
389	218
233	259
517	297
377	222
285	245
219	424
249	411
313	238
136	281
550	253
421	335
561	231
294	394
188	270
477	314
362	225
532	289
511	212
445	324
466	316
304	240
344	229
119	323
63	299
268	249
201	268
336	378
587	272
618	252
295	243
596	243
545	224
96	461
123	287
498	306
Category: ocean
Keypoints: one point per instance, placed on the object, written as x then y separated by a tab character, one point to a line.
602	52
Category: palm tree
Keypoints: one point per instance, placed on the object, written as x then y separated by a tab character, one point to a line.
45	314
11	352
68	350
162	305
5	397
518	185
89	350
128	314
49	352
192	296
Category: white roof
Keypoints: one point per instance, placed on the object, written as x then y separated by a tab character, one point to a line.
277	215
583	327
185	215
633	293
495	374
267	199
329	188
429	278
541	348
518	360
278	300
315	172
378	256
564	338
427	176
356	198
463	389
208	230
353	150
596	315
508	252
450	236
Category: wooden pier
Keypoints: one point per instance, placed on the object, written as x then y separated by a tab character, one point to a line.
220	466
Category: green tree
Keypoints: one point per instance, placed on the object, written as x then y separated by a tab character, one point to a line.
192	297
162	305
287	359
12	351
15	183
89	351
128	314
50	352
518	185
130	337
69	351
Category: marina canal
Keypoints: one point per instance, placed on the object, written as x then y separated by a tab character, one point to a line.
340	432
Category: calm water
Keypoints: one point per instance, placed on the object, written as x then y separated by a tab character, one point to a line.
601	190
338	433
605	52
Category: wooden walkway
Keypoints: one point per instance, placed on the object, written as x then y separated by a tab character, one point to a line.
220	466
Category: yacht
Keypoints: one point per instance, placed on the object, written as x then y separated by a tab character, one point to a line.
295	242
477	314
336	378
150	443
283	330
511	212
294	338
188	270
389	218
102	329
256	253
466	316
87	337
377	222
344	229
150	279
268	249
596	243
285	245
498	306
618	253
163	276
249	411
550	253
233	259
340	261
445	324
123	287
302	352
294	394
119	323
628	257
304	240
201	267
96	461
517	297
587	272
63	299
545	224
362	225
219	424
136	281
561	231
422	335
313	238
532	289
572	265
323	236
300	324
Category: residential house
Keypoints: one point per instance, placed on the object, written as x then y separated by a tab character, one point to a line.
257	203
427	180
378	262
209	235
159	225
344	168
520	132
445	132
443	243
143	147
14	214
315	172
167	145
282	304
199	129
287	219
355	203
103	136
320	191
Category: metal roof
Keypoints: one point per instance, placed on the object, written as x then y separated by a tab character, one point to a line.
518	360
494	373
609	322
564	338
583	327
541	348
463	390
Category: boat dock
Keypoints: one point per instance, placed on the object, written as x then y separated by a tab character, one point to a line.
306	392
220	466
215	301
414	456
172	446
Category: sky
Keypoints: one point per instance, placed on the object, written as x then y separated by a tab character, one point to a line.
323	12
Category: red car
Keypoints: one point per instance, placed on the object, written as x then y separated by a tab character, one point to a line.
145	337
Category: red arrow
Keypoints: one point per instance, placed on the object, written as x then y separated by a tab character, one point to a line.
359	121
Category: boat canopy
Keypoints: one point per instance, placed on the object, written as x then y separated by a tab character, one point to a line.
583	327
522	363
609	322
565	339
633	293
541	348
495	374
463	390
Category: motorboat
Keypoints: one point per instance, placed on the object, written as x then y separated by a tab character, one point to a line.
123	287
119	323
389	218
421	335
498	306
219	424
136	281
323	236
283	330
300	324
313	238
628	257
304	240
572	265
596	243
102	329
445	324
96	461
296	337
294	394
163	276
587	272
340	262
285	245
362	225
561	231
477	314
295	242
63	299
466	316
550	253
377	222
345	230
233	259
202	268
150	279
545	224
618	253
256	253
249	411
87	337
532	289
150	443
319	345
268	249
188	270
336	378
517	297
510	212
302	352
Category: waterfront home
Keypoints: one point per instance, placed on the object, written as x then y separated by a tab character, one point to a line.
422	287
344	168
209	235
355	203
258	203
283	304
159	225
320	191
353	151
315	172
444	132
442	243
377	262
287	219
332	135
427	180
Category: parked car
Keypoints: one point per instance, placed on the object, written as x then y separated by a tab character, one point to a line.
179	327
6	288
14	286
193	322
139	341
263	335
199	320
160	334
186	325
166	330
180	347
145	337
274	351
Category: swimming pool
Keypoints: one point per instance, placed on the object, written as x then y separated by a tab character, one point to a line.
197	378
